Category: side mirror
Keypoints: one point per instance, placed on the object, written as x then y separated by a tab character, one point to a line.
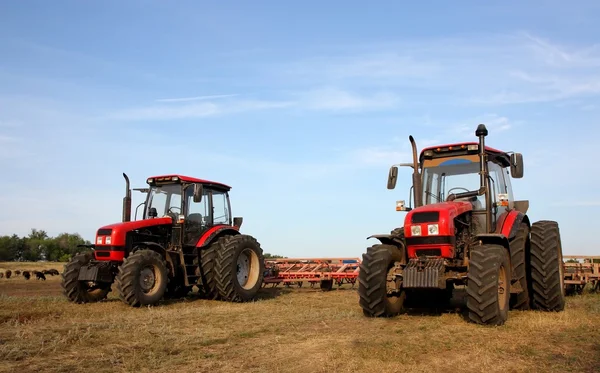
392	177
516	165
198	193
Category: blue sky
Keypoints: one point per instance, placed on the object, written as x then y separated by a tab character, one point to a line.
300	107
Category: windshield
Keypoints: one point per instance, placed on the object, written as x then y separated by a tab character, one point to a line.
163	198
452	176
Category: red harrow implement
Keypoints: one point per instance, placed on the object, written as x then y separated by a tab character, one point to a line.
578	274
324	271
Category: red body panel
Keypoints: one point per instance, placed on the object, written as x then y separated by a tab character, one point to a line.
188	179
507	222
447	212
119	230
206	236
110	255
458	145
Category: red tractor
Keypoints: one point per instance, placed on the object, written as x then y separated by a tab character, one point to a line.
186	237
467	230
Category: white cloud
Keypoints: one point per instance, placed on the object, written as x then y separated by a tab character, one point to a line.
195	98
498	70
336	99
381	156
196	110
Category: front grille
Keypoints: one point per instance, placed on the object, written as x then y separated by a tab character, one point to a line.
102	254
425	217
428	252
104	232
431	240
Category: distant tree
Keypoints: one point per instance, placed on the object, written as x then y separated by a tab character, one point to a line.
572	261
272	256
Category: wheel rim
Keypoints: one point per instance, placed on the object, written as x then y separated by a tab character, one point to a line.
247	269
147	279
503	290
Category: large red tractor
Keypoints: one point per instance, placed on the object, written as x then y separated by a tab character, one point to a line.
186	237
467	230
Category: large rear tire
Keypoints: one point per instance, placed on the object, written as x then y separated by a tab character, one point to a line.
519	251
81	291
142	278
547	273
372	282
239	268
206	269
488	285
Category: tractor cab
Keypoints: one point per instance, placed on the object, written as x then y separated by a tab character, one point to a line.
194	206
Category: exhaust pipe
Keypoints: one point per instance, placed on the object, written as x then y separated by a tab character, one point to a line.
127	201
482	132
417	187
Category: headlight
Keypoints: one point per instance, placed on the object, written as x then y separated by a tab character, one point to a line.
415	230
433	229
99	240
108	240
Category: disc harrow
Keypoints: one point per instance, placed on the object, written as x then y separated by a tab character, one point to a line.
585	271
322	271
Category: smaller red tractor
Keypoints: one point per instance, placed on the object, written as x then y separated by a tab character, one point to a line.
186	237
467	230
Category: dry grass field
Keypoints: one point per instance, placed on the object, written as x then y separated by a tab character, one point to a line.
287	330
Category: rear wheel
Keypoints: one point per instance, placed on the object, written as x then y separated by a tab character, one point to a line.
206	269
81	291
239	268
519	250
142	278
372	282
488	285
547	274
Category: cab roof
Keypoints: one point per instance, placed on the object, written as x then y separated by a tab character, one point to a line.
189	179
463	148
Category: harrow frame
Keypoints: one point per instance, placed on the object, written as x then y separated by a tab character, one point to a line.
324	271
578	275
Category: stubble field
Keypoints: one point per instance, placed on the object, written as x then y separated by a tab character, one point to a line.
286	330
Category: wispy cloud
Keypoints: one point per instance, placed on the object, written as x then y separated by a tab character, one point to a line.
196	98
492	70
331	98
196	110
328	98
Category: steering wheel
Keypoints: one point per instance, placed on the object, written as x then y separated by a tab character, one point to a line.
453	195
174	207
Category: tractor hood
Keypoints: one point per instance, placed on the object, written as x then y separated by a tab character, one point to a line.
114	234
440	216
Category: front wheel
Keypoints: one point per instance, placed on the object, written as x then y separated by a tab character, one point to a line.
488	285
142	278
81	291
239	268
372	282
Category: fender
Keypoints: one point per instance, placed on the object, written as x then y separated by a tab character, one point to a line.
151	245
387	239
494	239
512	222
213	232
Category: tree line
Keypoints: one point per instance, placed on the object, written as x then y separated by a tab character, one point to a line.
39	246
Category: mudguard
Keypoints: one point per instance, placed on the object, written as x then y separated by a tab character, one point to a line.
387	239
511	223
213	232
494	239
